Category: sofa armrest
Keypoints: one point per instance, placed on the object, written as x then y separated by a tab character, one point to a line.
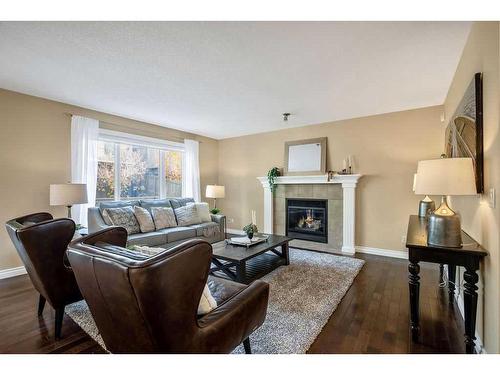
95	221
221	220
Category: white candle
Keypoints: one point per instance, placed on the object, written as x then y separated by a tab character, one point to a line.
344	164
253	217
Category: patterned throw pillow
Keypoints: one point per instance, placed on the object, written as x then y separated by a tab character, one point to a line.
105	217
145	220
124	217
187	215
163	217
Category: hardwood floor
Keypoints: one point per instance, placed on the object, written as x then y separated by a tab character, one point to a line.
371	318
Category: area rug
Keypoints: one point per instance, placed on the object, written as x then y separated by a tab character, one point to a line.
302	297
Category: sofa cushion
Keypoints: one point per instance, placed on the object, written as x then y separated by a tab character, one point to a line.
144	218
163	217
147	239
206	229
178	233
180	202
149	203
187	215
114	204
124	217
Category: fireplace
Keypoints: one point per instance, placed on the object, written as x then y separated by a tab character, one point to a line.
307	219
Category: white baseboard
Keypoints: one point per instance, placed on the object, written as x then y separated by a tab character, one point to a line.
11	272
382	252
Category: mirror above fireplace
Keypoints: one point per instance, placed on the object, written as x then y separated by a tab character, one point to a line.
305	157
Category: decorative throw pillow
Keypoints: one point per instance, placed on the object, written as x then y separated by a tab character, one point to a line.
124	217
145	220
105	217
207	302
203	211
187	215
163	217
114	204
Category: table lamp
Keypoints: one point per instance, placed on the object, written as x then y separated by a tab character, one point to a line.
426	206
447	176
215	191
68	195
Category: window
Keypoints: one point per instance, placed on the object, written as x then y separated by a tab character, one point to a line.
131	167
173	173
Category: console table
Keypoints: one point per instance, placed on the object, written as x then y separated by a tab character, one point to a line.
468	256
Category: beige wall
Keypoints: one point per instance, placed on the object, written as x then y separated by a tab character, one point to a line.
481	54
386	148
35	152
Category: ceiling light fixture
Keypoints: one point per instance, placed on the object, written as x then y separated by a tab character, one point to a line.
285	116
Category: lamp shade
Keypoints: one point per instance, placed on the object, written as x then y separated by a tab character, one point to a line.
448	176
68	194
215	191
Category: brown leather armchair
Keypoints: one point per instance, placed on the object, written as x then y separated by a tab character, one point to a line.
41	243
149	304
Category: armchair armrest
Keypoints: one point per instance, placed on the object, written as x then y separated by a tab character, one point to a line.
243	313
116	236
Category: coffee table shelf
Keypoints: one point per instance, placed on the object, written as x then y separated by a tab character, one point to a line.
244	265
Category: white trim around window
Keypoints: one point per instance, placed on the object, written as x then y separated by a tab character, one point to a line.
137	140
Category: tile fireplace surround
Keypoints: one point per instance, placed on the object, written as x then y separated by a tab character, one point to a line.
341	195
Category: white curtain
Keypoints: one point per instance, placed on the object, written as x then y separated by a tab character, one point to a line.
84	137
191	186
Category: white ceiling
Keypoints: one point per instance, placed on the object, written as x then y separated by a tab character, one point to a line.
224	79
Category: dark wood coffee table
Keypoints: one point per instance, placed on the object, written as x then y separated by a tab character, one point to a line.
244	264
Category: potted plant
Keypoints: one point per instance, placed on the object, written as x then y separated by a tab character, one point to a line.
271	177
214	211
250	229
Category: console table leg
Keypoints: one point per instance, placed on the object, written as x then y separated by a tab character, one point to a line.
470	307
414	285
452	271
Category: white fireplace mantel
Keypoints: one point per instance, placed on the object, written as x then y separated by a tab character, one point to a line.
348	183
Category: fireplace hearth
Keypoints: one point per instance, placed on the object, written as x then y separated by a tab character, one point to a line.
307	219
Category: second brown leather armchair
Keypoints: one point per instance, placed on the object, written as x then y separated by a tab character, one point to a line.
41	242
149	305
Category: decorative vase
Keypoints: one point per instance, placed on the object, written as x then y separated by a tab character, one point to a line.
250	235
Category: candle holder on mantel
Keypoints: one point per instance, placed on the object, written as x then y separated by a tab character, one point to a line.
347	165
346	170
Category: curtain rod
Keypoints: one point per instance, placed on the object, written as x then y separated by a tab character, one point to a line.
172	137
